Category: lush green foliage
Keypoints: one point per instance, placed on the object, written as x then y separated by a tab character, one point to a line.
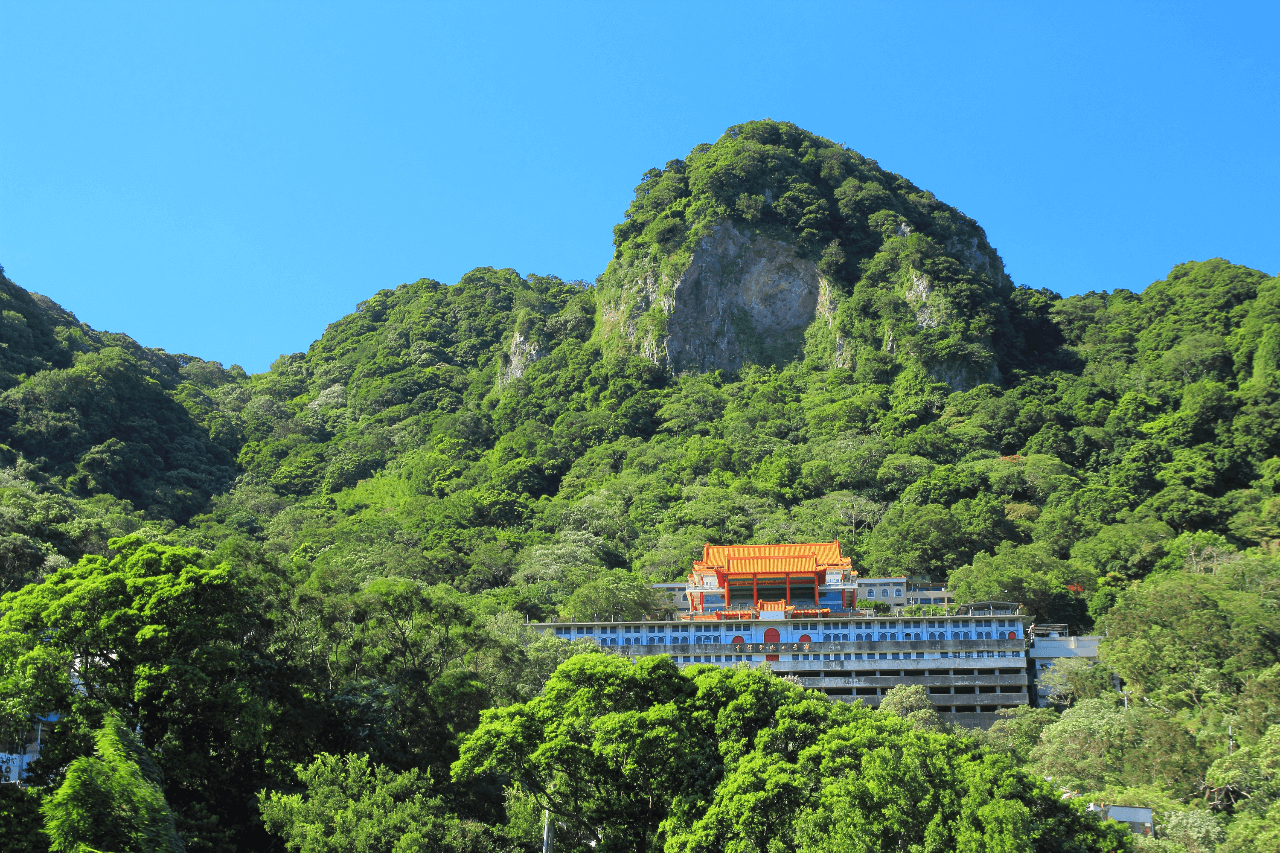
352	806
338	556
111	800
637	756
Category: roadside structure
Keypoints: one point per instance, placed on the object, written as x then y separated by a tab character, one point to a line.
795	609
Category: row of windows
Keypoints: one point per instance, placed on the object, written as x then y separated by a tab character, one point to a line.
656	630
835	656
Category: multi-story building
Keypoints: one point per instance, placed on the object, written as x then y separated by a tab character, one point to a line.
1050	644
925	591
15	756
795	609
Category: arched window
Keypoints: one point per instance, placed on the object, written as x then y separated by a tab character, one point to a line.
966	635
771	635
1013	635
918	635
739	639
804	638
883	636
933	635
846	638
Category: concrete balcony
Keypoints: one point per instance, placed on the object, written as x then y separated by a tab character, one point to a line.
945	703
949	681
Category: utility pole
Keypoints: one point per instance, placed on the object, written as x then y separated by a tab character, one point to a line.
548	832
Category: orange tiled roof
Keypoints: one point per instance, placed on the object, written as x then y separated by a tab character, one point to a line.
826	553
764	565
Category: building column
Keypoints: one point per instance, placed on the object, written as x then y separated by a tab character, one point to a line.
755	589
788	577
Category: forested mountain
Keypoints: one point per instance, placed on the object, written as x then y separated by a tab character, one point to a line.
337	556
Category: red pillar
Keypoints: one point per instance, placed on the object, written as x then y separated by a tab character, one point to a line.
815	590
788	577
755	589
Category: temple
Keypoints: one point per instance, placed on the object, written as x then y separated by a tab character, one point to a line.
796	609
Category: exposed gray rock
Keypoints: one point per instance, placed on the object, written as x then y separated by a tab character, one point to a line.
963	375
516	360
929	312
743	299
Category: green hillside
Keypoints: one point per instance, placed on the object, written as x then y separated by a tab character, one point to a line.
339	555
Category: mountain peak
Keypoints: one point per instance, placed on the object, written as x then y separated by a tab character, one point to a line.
775	243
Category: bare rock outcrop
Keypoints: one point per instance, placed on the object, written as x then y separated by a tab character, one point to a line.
743	299
515	361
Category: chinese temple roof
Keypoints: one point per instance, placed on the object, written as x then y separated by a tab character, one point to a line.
822	553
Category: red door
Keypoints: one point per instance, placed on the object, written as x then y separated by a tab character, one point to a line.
771	636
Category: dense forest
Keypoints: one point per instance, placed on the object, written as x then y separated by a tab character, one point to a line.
288	611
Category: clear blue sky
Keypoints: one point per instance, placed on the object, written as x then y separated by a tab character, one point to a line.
224	179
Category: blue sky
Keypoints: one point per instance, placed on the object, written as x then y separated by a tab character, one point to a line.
226	179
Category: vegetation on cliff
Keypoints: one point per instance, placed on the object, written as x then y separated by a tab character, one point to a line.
336	558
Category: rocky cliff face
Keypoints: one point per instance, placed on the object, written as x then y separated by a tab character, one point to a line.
743	299
523	352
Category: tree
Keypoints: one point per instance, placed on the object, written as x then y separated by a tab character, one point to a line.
1085	748
603	748
915	540
615	594
1197	831
20	816
911	703
1182	640
351	804
1130	549
1071	679
867	782
1018	731
112	800
170	643
1027	574
399	654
